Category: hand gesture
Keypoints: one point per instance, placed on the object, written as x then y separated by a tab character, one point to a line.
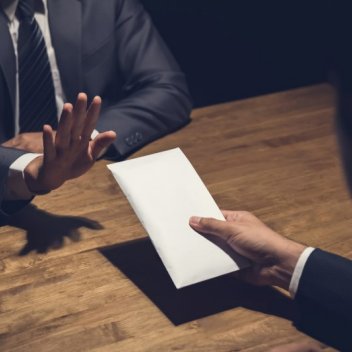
70	153
274	257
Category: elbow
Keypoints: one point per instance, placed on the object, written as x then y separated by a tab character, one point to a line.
185	109
181	113
183	104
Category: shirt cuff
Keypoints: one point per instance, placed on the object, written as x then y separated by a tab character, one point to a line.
94	134
16	186
297	273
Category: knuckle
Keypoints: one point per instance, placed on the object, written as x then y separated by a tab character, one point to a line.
60	148
85	137
203	222
206	222
233	216
245	215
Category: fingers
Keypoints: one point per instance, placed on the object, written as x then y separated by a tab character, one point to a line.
48	143
63	135
101	143
92	118
79	116
211	226
89	224
247	275
77	124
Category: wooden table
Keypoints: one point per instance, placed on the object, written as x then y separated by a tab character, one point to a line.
274	155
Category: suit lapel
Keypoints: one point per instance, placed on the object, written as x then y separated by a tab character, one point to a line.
7	58
65	19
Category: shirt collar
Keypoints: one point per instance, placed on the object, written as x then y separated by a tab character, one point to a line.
10	6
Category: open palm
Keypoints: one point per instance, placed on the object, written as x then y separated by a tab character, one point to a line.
70	153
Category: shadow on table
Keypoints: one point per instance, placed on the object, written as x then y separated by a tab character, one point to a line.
139	261
48	231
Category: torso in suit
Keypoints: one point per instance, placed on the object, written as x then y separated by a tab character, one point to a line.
108	48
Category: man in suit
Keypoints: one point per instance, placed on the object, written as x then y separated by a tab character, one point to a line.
50	50
311	275
67	154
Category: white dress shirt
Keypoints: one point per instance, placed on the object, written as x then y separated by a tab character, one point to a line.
18	166
297	273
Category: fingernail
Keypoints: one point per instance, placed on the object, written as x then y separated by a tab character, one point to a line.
194	220
68	106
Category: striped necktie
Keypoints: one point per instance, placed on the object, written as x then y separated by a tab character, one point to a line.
36	88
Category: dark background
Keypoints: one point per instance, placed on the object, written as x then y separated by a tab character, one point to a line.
233	49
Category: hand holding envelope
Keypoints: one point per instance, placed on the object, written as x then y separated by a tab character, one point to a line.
165	191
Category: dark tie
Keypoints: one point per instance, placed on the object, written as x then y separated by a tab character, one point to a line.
36	89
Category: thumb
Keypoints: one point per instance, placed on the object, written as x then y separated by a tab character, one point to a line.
101	143
210	226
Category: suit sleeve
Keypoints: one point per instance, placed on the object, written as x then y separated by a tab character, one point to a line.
326	281
7	157
155	99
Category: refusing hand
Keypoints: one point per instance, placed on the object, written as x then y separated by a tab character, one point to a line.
273	256
70	153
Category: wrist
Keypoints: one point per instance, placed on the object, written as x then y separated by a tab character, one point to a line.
31	176
287	258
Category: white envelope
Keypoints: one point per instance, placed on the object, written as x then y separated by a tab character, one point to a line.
165	191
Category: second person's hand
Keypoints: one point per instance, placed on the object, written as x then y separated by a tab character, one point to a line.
273	256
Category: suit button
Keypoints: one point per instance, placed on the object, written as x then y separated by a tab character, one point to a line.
139	136
134	139
128	141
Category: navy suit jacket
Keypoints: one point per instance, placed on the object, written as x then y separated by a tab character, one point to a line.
326	281
108	48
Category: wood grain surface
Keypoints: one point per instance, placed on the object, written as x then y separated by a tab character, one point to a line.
274	155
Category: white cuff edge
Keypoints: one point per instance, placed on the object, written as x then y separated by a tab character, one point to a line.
297	273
